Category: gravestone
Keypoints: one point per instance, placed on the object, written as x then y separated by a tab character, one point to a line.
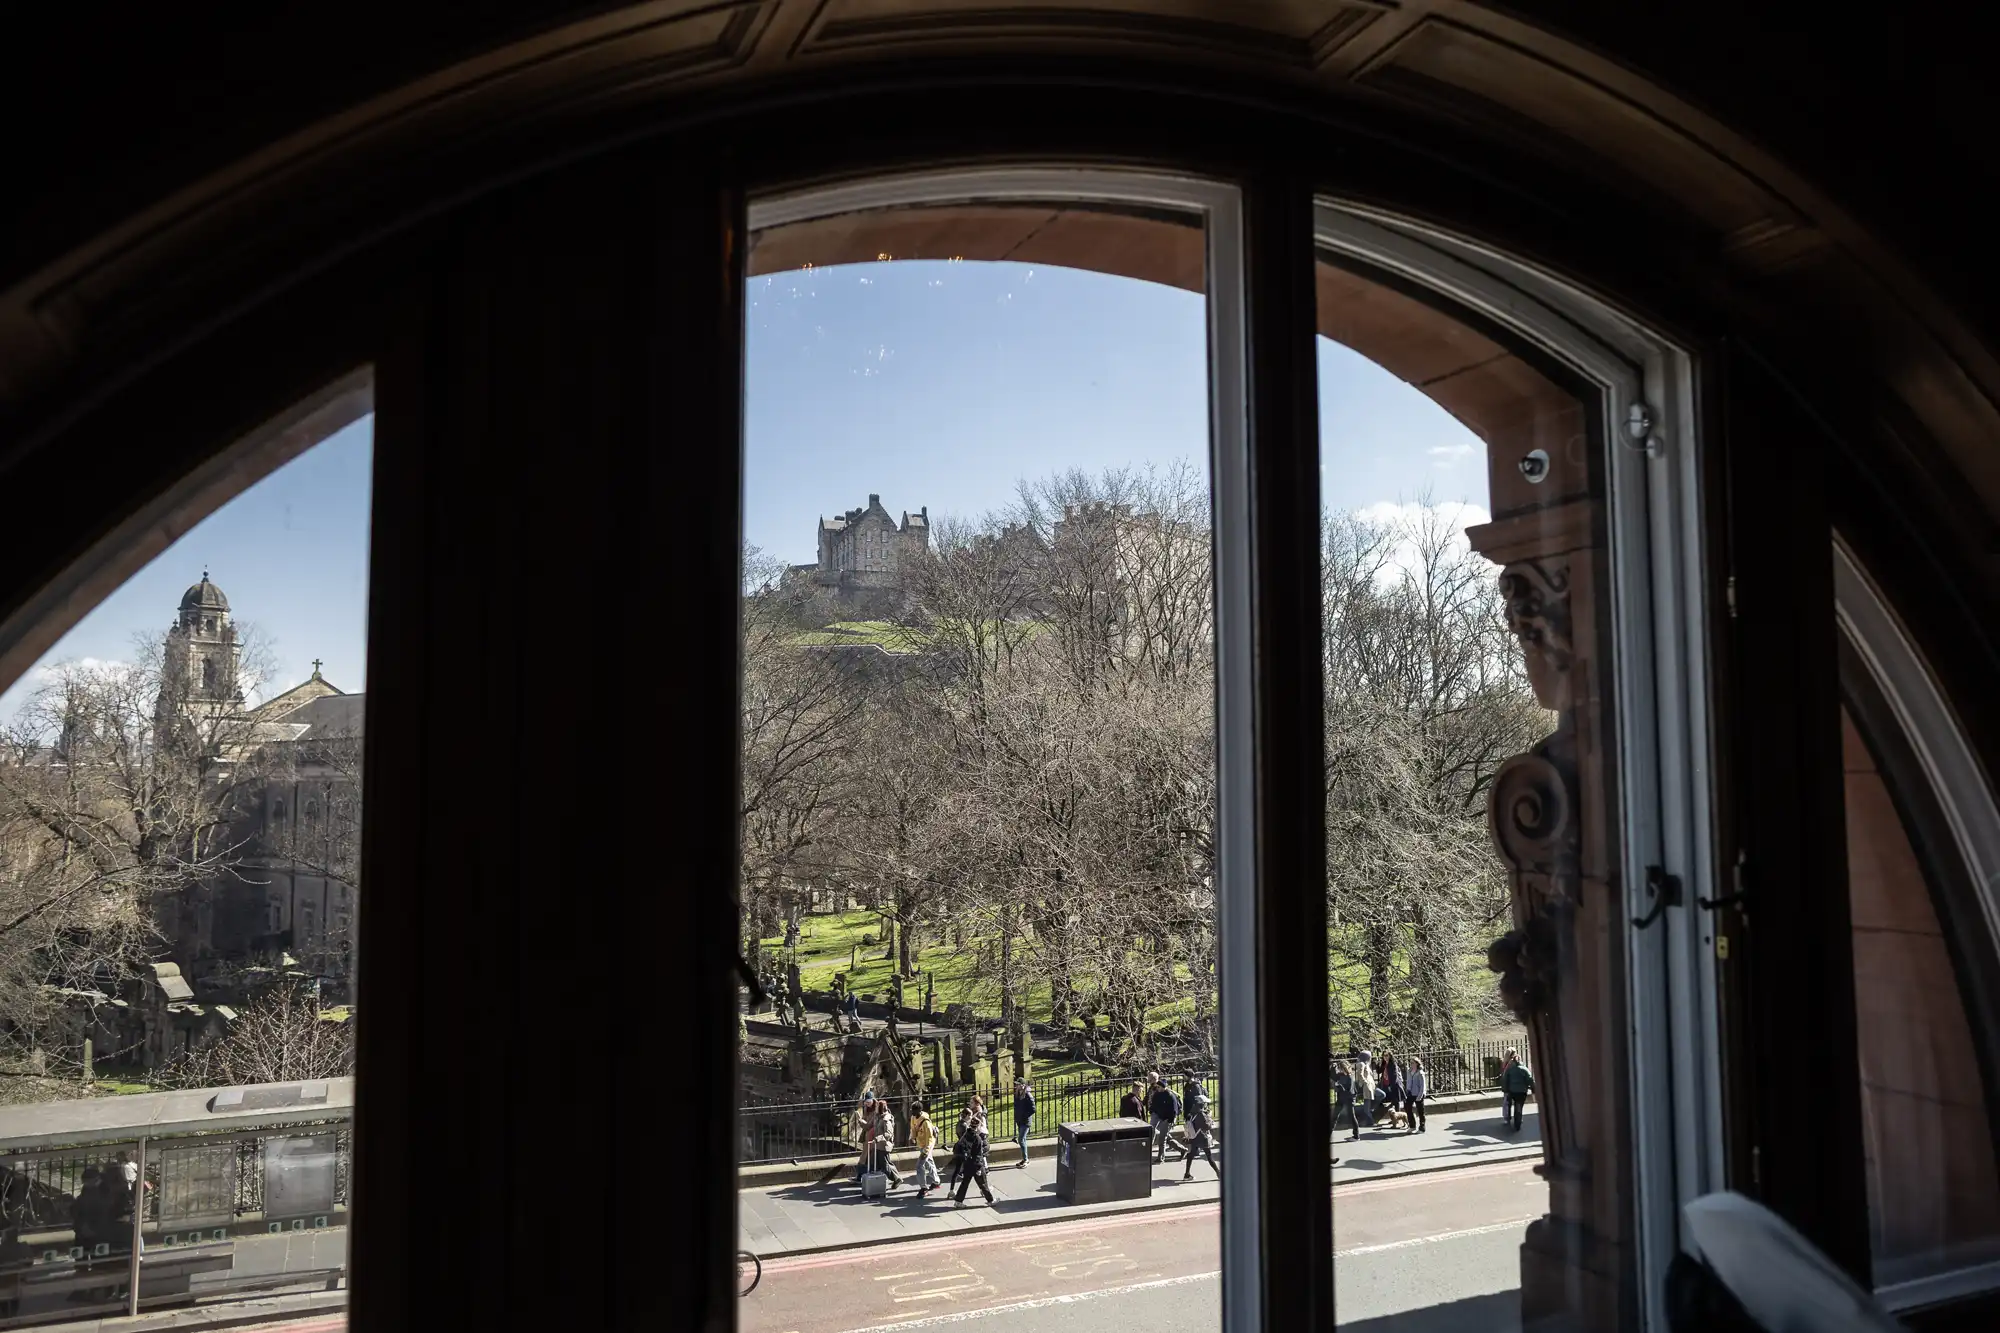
941	1061
968	1055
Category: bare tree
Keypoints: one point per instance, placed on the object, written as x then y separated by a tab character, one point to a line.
279	1038
801	711
1071	717
1424	701
121	789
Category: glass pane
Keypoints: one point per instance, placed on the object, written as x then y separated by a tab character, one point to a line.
1459	571
978	785
180	812
1933	1192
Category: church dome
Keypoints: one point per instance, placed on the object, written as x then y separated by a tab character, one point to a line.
204	596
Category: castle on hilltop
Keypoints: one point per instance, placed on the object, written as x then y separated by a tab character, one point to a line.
865	556
861	558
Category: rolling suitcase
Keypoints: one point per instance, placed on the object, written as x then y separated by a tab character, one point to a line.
875	1185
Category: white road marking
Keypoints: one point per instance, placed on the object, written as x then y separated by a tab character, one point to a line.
1509	1225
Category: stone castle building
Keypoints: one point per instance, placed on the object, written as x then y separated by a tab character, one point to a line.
1118	558
862	554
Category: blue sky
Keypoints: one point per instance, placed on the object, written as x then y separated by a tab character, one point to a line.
290	553
931	384
941	384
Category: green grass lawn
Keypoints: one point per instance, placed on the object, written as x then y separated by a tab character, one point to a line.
880	633
825	941
883	634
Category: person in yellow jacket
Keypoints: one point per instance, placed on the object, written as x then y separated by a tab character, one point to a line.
923	1135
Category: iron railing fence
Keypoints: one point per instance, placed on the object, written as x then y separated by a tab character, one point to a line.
1469	1067
789	1131
190	1178
782	1131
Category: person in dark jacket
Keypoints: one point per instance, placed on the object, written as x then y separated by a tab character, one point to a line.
972	1166
1343	1097
1024	1115
1389	1091
1132	1106
94	1219
958	1152
1201	1136
1515	1083
1166	1109
91	1213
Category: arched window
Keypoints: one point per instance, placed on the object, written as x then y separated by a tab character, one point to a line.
207	673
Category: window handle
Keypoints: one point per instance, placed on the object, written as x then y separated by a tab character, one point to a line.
1665	890
1740	892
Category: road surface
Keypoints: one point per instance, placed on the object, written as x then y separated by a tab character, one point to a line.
1412	1255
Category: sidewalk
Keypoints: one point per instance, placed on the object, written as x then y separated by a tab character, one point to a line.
805	1218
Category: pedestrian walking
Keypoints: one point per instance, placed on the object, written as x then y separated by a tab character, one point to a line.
972	1143
1343	1097
1024	1115
923	1134
1415	1089
862	1131
1515	1084
1364	1092
958	1151
130	1191
1201	1136
885	1141
1391	1091
1132	1106
1165	1109
853	1008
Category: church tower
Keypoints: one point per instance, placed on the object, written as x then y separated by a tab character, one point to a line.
202	655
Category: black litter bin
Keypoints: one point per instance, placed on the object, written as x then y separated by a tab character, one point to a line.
1098	1160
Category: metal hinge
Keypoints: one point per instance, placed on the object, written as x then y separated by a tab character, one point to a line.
1639	422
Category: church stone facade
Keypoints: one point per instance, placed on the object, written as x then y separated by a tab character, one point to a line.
289	895
202	661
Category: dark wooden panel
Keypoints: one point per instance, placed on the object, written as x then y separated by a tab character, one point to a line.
558	446
1789	976
1296	1222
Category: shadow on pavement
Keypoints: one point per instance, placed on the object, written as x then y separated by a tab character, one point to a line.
1497	1313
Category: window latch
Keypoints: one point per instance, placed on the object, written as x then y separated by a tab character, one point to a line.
1739	892
1665	891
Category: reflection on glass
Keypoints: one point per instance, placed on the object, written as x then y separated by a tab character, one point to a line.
1933	1192
180	815
978	769
1457	583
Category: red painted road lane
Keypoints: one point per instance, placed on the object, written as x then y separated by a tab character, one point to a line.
883	1286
